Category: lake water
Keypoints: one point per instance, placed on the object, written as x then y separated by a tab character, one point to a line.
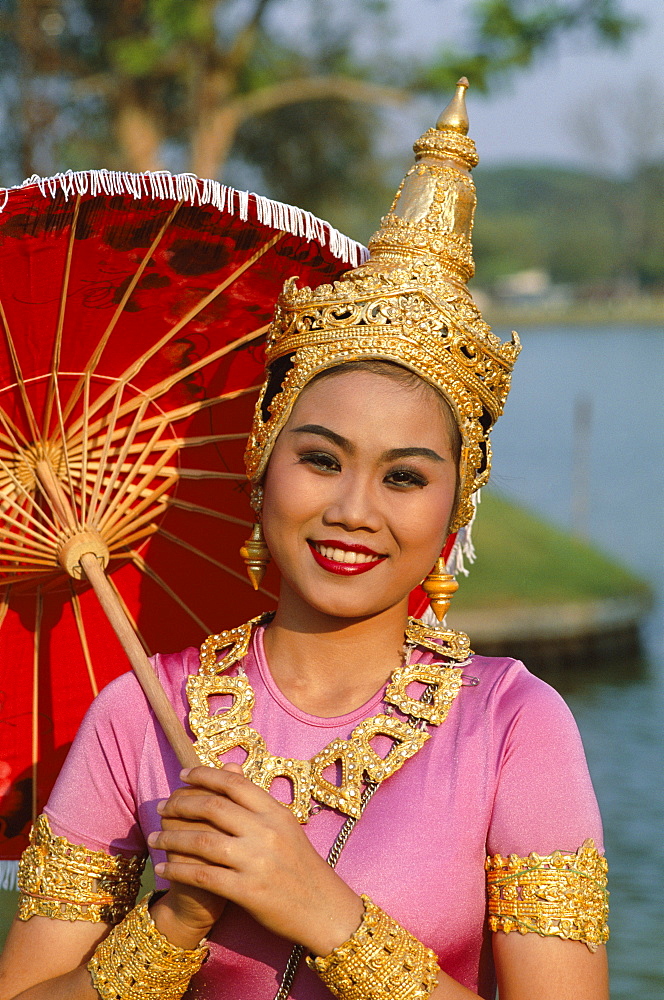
615	376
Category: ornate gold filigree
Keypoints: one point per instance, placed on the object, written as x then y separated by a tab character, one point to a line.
229	728
136	961
561	895
67	881
381	960
408	304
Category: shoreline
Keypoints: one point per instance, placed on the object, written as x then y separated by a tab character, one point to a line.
621	312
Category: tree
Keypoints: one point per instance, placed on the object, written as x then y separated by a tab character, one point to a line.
147	84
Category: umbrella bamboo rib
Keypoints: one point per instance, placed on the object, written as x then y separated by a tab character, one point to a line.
94	498
20	488
140	563
180	413
78	615
136	366
129	615
57	345
181	442
95	357
212	560
238	477
18	375
134	536
114	528
129	438
161	387
195	508
35	700
65	453
84	450
23	527
128	495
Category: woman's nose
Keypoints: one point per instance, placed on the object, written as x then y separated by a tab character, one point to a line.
354	506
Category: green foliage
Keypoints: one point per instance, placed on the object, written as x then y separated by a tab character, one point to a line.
175	63
509	34
580	227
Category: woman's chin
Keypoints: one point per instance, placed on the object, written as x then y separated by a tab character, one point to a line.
345	603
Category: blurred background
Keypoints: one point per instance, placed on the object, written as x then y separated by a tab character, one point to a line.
317	102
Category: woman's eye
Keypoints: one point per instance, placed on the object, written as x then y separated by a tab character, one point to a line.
320	460
406	477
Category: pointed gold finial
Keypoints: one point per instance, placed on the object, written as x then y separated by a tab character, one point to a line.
455	116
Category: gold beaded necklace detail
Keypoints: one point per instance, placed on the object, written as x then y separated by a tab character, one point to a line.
217	734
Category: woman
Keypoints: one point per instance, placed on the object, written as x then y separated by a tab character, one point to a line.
344	729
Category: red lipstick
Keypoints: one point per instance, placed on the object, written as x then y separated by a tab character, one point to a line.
344	568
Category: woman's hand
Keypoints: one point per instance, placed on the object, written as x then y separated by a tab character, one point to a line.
226	837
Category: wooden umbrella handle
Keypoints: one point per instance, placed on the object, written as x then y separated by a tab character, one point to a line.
78	548
147	678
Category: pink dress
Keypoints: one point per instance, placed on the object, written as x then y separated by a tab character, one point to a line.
506	772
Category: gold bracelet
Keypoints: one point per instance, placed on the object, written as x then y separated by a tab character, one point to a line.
136	961
66	881
557	895
381	961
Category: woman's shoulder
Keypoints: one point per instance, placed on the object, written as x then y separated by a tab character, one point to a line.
124	694
511	690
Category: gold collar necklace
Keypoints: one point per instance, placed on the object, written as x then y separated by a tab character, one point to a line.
217	734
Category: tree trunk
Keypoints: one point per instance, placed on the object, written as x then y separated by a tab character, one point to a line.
139	138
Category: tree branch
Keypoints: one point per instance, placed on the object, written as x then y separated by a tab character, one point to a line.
317	88
212	142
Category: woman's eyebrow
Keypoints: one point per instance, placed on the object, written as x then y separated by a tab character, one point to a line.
395	453
325	432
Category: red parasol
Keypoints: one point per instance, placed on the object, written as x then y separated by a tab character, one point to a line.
132	315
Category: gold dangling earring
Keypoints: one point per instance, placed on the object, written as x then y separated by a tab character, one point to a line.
440	587
255	552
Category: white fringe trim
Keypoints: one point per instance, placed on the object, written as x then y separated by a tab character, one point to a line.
162	185
463	549
9	875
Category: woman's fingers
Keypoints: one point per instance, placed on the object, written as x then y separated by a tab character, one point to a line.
200	843
193	805
231	782
213	879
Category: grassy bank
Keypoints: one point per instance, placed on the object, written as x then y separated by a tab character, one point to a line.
523	560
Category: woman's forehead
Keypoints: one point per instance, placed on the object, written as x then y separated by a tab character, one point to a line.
355	401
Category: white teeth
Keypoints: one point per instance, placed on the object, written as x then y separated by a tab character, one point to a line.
343	555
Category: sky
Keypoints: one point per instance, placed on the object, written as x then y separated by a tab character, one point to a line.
579	105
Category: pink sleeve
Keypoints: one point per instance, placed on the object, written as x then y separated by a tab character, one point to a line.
544	796
93	801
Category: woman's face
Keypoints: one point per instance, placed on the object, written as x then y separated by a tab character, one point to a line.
359	492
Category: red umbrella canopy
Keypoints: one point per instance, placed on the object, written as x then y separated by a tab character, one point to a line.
133	310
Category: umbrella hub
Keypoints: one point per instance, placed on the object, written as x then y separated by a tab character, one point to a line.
27	460
76	546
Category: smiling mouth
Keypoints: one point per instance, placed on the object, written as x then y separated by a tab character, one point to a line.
346	561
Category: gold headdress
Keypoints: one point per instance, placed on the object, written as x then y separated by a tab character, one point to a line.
408	304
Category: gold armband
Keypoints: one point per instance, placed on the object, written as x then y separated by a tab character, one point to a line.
561	895
136	961
67	881
381	960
